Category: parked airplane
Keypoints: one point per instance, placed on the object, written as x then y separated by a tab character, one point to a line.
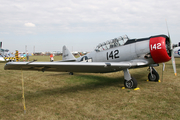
177	52
115	55
1	58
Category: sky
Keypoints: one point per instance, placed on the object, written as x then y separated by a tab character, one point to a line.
48	25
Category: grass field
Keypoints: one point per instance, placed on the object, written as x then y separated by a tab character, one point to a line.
87	96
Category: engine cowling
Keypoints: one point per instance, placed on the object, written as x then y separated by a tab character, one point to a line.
160	48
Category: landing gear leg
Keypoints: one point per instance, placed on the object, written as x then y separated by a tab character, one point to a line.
153	75
129	82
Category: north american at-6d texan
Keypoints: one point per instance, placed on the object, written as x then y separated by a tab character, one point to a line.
117	54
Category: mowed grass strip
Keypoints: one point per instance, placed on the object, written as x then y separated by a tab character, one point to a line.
58	95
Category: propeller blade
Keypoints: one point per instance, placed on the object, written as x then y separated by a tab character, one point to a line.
163	68
173	62
168	31
172	52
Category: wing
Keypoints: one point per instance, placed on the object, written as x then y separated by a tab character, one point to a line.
92	67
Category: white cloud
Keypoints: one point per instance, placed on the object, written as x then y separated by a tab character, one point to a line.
30	25
107	15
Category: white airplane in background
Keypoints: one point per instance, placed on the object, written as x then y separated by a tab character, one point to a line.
1	58
117	54
177	52
5	55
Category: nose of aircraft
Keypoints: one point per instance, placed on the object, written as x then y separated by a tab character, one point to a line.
160	48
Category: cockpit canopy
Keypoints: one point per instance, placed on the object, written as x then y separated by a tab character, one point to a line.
112	43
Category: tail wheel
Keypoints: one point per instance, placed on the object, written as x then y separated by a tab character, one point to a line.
70	73
154	76
130	83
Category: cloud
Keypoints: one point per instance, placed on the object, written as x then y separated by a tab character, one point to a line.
91	16
30	25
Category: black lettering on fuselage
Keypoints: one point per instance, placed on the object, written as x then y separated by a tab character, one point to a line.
112	54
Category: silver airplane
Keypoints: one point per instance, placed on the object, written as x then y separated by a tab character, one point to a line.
117	54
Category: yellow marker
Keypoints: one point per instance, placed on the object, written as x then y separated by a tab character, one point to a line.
147	80
159	80
137	88
23	98
123	87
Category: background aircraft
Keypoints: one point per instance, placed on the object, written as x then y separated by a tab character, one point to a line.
117	54
7	56
1	58
177	52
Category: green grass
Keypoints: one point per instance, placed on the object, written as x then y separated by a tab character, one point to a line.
54	95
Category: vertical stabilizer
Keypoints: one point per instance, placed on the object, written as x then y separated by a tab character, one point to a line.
67	55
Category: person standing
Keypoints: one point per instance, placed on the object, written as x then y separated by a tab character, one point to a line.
51	58
24	57
27	56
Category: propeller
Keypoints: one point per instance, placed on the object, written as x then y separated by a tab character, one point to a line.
172	55
172	52
173	62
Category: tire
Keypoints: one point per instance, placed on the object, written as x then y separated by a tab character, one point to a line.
130	83
155	77
71	73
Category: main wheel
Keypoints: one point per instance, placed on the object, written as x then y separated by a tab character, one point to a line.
154	76
130	83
